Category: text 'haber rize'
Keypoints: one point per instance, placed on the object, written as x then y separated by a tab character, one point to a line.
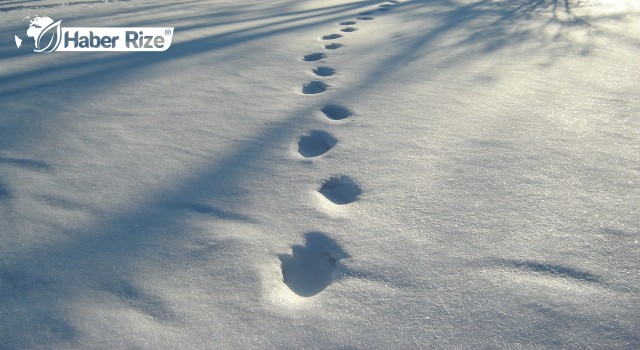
133	39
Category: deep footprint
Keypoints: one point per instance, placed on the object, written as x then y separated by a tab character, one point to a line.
333	46
331	37
348	29
315	143
324	71
314	57
367	13
365	18
340	190
336	112
348	23
311	268
314	87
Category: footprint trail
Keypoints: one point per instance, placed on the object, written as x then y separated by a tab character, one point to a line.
312	267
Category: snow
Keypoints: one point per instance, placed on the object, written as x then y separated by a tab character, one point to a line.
454	174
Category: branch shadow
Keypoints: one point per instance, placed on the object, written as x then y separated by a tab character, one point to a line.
25	163
5	8
486	26
554	270
5	194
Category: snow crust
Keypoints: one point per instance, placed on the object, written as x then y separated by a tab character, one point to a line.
447	174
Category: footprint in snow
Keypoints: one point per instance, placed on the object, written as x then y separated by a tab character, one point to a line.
315	143
348	29
365	18
336	112
348	23
314	57
340	190
324	71
331	37
333	46
314	87
312	267
366	13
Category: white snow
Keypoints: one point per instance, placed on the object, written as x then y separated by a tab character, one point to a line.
460	174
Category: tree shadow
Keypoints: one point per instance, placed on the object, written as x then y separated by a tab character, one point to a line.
25	163
26	6
4	192
486	26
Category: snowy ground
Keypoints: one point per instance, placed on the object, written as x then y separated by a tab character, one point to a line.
473	181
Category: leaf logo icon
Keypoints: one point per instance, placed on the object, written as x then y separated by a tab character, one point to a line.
55	32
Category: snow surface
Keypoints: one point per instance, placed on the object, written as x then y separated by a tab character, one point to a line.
456	174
